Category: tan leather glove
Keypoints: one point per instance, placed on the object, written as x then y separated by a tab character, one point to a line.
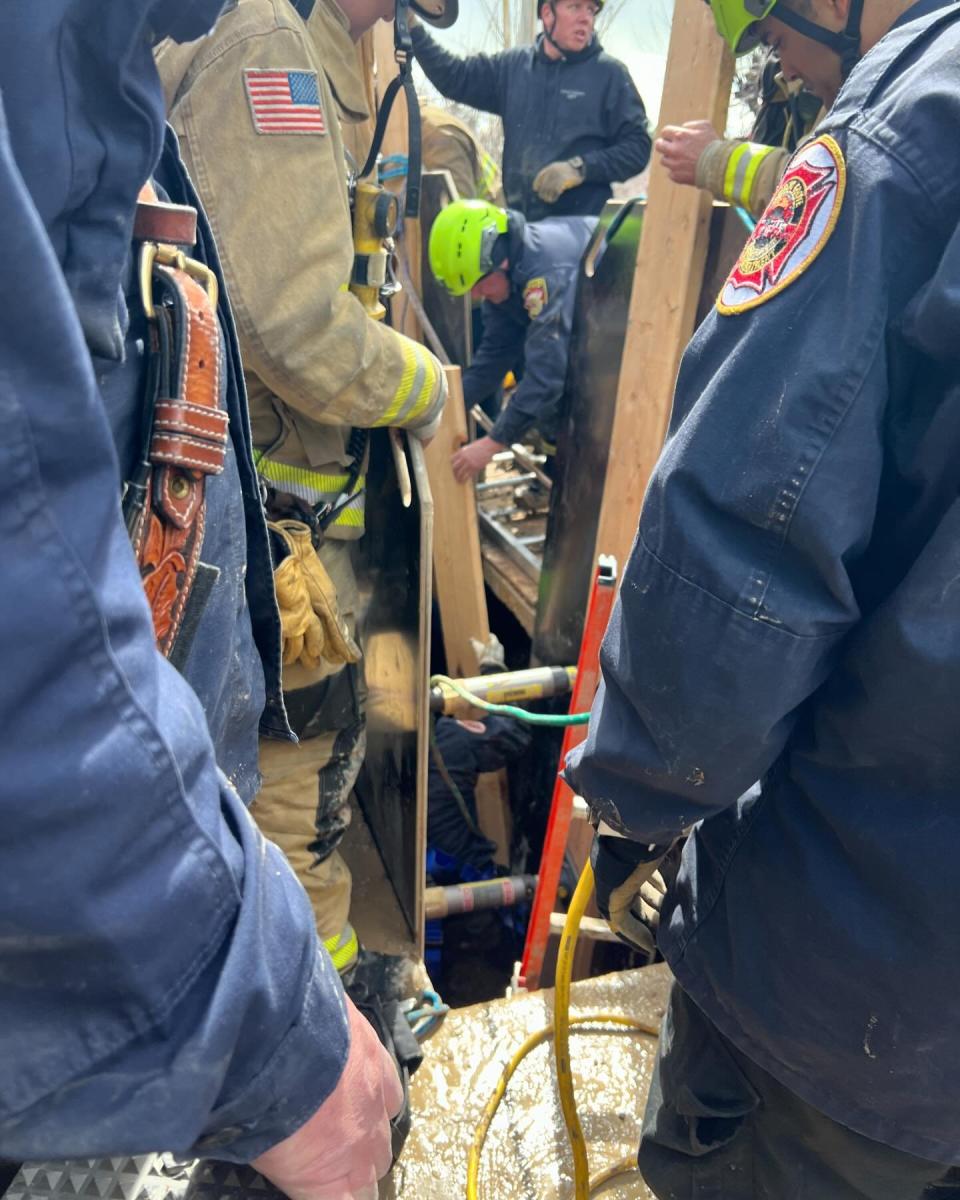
313	630
555	178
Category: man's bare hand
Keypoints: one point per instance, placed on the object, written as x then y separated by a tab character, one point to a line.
680	147
344	1148
470	459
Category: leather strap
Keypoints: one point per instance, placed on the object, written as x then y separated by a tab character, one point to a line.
158	221
188	441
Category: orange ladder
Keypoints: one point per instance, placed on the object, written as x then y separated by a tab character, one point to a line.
562	806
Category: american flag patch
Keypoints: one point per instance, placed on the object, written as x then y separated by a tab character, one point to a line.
284	101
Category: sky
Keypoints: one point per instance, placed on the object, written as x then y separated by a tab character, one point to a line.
637	32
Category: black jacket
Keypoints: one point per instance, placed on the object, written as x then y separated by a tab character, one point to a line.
465	755
585	104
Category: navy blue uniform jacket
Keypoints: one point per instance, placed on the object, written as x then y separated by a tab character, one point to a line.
585	104
534	324
783	664
162	983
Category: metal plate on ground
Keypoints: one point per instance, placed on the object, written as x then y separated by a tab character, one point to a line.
526	1144
147	1177
526	1156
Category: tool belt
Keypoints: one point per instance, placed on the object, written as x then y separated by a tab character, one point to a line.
184	432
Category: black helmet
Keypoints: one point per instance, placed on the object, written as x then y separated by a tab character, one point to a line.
441	13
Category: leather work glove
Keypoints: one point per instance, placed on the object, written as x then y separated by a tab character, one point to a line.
313	630
551	181
627	897
345	1147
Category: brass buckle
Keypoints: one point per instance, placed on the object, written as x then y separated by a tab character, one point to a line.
159	253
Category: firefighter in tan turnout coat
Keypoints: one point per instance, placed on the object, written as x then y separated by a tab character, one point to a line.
257	106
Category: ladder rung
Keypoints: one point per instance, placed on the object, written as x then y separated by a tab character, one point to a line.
591	927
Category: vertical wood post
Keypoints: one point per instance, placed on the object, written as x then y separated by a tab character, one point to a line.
667	280
457	565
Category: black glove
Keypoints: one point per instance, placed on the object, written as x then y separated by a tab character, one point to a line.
621	868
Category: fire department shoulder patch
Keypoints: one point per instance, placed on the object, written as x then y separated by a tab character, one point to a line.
795	227
535	297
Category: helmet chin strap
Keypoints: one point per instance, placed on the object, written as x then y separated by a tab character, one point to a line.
548	34
845	45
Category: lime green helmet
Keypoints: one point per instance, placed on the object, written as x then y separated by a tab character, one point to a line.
735	20
462	241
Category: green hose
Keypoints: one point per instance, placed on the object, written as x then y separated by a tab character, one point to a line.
511	710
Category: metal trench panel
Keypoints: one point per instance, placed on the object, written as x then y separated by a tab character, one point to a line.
394	570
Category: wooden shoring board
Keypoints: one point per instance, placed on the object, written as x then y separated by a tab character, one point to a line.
457	565
667	280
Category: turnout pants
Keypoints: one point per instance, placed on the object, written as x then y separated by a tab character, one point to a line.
304	801
717	1127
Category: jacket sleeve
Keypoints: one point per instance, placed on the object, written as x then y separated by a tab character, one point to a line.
545	355
475	80
501	347
741	585
743	173
628	139
279	210
164	987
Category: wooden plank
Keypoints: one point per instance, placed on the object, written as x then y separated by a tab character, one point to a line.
667	280
510	586
493	813
457	566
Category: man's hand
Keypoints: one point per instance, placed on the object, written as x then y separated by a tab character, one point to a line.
551	181
623	871
680	147
470	459
344	1148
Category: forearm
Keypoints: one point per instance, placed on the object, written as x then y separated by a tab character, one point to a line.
626	158
472	80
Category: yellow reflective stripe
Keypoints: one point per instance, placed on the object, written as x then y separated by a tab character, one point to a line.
410	366
351	516
427	391
315	487
277	472
418	385
343	948
488	174
759	153
742	167
730	175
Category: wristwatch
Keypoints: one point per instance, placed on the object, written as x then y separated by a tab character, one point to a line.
577	164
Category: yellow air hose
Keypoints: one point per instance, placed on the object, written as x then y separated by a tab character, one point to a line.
560	1031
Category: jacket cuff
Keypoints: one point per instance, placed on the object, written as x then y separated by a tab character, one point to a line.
511	425
303	1072
591	172
712	164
